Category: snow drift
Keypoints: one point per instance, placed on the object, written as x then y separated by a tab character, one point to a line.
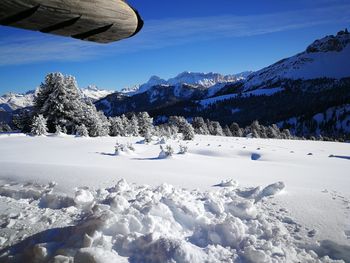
130	223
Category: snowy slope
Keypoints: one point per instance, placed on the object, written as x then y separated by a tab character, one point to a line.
12	101
328	57
258	219
260	92
94	93
338	117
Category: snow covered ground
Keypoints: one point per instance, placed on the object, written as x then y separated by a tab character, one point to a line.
226	200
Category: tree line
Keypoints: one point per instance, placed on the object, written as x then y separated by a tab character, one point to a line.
59	108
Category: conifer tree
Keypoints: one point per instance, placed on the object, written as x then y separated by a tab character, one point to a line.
39	127
81	131
145	123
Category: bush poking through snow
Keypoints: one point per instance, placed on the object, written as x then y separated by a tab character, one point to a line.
183	149
39	127
58	130
123	148
166	152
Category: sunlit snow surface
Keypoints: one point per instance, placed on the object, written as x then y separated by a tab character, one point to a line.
226	200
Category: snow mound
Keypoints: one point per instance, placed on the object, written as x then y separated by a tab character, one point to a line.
130	223
228	183
25	191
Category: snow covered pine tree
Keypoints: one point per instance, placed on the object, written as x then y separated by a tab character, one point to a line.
39	127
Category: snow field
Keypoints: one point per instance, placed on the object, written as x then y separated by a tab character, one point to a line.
128	223
91	215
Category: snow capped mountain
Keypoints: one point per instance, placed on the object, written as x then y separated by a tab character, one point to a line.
203	79
12	101
94	93
328	57
153	81
130	90
194	79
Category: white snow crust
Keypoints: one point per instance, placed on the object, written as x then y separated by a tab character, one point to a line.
63	199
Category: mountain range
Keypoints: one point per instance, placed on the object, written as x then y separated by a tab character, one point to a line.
309	93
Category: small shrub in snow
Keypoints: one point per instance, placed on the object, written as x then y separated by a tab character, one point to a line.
39	126
130	146
81	131
166	151
120	147
58	130
183	149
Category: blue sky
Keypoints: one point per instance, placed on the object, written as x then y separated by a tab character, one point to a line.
222	36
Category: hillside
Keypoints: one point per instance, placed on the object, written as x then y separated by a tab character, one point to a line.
301	88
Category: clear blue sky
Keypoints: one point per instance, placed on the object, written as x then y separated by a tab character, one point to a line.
225	36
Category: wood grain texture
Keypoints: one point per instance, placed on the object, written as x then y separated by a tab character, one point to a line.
92	14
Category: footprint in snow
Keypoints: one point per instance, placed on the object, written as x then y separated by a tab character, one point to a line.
311	233
255	156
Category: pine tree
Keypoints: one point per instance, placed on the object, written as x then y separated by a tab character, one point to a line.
227	131
125	122
236	130
216	129
116	128
255	129
39	127
133	126
60	101
4	127
273	132
81	131
287	135
187	132
183	125
100	125
58	130
145	123
200	127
